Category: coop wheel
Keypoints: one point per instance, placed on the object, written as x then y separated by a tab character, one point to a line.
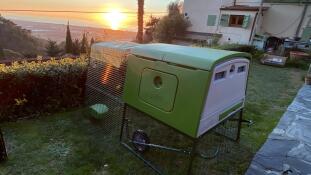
140	136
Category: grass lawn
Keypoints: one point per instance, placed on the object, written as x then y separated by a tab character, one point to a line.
68	143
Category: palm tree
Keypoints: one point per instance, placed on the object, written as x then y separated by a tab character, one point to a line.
140	17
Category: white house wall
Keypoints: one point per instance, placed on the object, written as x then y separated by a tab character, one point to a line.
237	34
198	11
282	20
248	2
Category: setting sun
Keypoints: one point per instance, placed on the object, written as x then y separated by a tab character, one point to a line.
114	18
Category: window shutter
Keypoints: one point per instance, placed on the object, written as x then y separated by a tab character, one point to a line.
306	34
211	20
246	21
224	20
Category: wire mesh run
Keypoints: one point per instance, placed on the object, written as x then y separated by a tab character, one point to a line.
212	148
105	82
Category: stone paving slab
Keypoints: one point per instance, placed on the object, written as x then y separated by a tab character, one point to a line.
287	150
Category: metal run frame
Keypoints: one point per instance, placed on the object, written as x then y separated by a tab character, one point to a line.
3	153
192	153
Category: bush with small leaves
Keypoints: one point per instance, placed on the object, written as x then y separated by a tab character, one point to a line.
34	88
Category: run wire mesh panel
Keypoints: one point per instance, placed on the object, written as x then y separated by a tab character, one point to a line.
104	85
216	145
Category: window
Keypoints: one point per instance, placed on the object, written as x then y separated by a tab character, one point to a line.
232	69
211	20
242	21
224	20
241	69
236	20
220	75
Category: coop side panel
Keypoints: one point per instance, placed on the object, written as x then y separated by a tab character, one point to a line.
186	111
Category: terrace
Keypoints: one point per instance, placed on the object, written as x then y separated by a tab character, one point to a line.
58	138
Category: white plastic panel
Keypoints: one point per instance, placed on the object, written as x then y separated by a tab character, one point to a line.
227	89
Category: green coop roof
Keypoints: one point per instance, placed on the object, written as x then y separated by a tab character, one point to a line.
195	57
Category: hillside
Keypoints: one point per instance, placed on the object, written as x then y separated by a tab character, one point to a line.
17	39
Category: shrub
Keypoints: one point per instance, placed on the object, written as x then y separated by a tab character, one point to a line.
298	63
238	47
10	54
52	49
35	88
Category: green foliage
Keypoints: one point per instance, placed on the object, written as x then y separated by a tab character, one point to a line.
298	63
150	28
140	21
10	54
84	44
20	40
172	25
238	47
69	44
76	47
33	88
52	49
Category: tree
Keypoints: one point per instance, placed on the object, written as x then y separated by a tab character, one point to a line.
84	44
140	19
92	41
76	47
150	28
52	49
69	44
172	25
90	48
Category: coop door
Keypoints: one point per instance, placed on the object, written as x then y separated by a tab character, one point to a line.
158	89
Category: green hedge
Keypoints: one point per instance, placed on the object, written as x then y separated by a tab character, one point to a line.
238	47
36	88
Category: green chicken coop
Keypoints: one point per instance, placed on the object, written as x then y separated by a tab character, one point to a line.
189	89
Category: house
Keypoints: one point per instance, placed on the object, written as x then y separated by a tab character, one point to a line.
248	21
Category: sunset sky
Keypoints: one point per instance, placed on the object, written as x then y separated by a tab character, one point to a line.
121	20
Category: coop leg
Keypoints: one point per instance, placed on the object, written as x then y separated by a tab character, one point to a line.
192	155
3	153
123	121
239	125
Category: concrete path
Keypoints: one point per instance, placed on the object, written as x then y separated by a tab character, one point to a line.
288	148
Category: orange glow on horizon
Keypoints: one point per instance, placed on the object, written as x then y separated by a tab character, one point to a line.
115	19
